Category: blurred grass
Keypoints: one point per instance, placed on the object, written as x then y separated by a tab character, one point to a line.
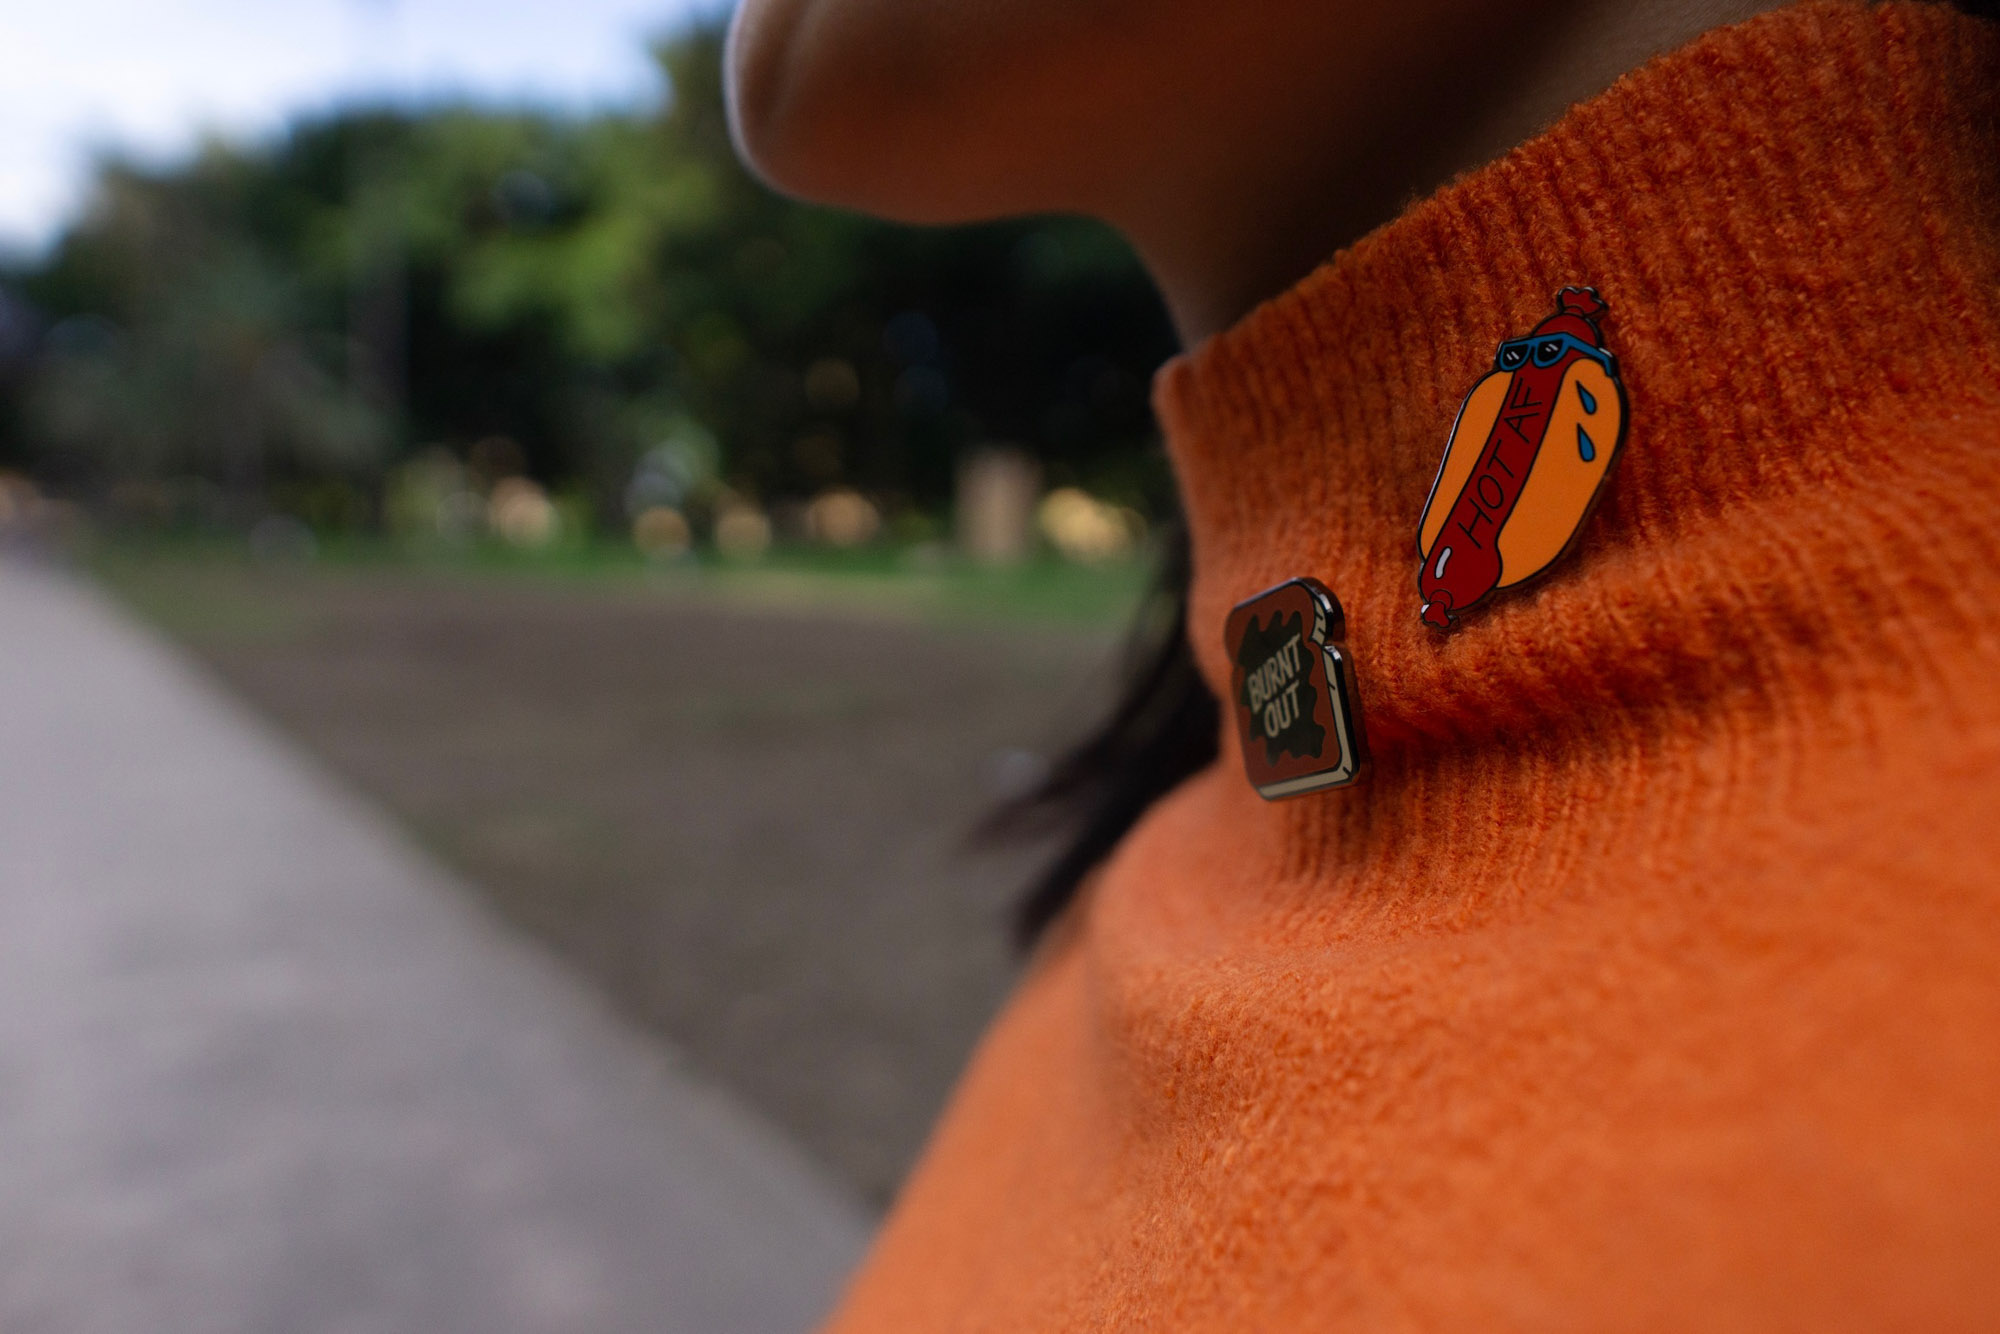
216	589
735	797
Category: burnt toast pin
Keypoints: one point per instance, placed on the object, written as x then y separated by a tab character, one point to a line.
1291	687
1532	445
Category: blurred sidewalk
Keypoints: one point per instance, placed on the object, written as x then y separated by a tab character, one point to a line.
264	1067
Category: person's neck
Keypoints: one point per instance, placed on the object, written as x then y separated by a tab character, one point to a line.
1230	233
1793	227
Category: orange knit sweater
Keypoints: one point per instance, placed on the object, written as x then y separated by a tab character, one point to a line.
1653	979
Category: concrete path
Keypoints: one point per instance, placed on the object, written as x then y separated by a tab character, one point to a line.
265	1068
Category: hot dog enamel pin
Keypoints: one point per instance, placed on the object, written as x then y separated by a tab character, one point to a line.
1293	689
1532	445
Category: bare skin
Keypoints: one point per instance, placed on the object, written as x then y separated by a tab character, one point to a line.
1236	145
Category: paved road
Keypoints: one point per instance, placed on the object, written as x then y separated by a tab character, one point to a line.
265	1068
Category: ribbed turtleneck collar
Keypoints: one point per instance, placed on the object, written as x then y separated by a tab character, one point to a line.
1796	225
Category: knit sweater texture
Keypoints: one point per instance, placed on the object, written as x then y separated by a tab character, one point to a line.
1652	980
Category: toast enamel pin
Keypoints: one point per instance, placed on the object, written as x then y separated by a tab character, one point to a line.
1532	445
1292	689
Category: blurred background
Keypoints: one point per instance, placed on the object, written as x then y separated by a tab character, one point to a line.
685	567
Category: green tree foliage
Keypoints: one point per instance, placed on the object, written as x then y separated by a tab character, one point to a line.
309	311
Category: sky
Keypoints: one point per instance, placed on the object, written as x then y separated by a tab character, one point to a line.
150	78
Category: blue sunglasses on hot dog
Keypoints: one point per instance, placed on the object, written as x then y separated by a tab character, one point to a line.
1546	350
